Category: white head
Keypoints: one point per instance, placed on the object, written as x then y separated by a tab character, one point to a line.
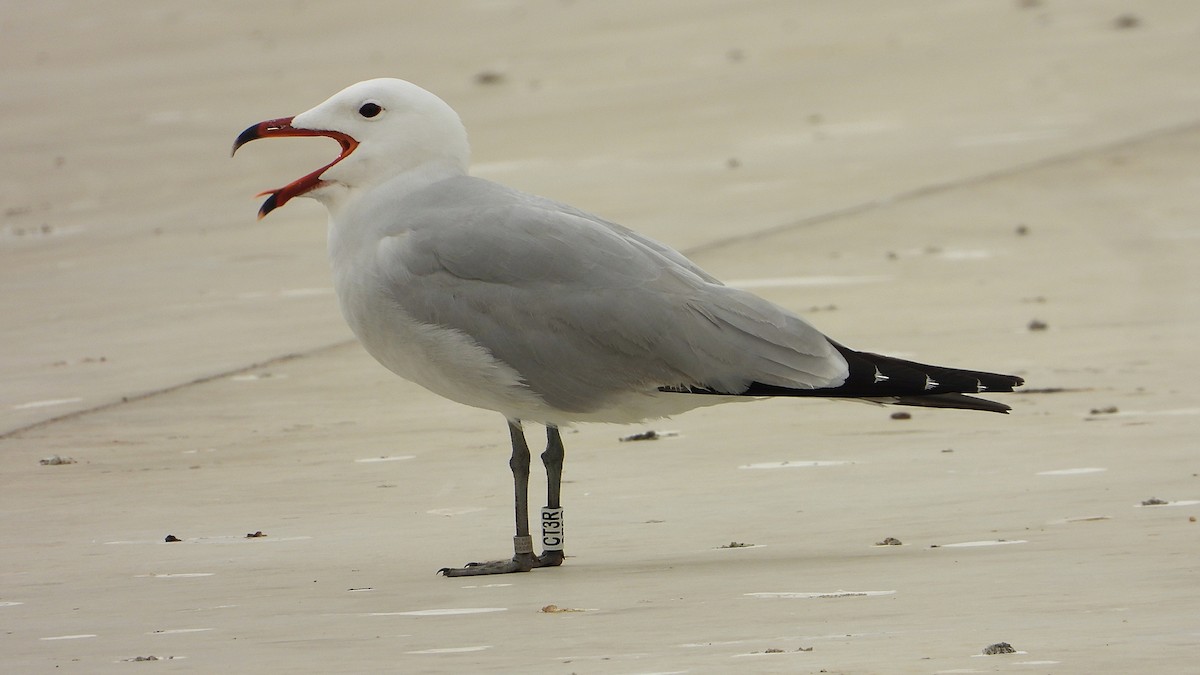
385	126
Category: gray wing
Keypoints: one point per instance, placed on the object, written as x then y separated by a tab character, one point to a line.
583	309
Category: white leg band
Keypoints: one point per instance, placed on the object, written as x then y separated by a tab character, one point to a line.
552	529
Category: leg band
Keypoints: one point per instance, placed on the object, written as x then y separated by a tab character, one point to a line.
552	529
523	544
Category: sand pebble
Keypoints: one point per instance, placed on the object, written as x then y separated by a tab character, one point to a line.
1126	21
983	656
55	460
999	648
651	435
1150	503
489	77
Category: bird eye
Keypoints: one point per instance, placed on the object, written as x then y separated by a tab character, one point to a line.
370	109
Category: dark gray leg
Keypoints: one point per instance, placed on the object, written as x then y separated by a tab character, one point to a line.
552	532
523	559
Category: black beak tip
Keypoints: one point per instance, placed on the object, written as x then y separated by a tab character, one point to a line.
268	206
245	137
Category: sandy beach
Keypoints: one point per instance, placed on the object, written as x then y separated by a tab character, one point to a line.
1009	186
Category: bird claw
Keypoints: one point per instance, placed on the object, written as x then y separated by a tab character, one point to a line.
521	562
518	563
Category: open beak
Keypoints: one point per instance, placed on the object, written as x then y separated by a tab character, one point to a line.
283	127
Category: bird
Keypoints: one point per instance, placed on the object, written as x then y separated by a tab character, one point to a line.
547	314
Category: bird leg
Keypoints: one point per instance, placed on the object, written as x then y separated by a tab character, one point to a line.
552	523
523	558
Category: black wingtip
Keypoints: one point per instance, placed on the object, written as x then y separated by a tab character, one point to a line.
886	379
957	401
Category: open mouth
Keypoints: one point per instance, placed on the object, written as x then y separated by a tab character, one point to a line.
283	127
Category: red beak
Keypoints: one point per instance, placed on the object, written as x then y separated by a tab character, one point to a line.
283	127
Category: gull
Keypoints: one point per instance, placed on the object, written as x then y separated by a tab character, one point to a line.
545	313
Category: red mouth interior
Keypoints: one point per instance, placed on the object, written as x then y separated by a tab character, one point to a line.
311	181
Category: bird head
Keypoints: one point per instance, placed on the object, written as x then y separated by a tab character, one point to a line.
385	126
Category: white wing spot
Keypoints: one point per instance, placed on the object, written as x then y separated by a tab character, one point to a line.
979	387
930	383
880	377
